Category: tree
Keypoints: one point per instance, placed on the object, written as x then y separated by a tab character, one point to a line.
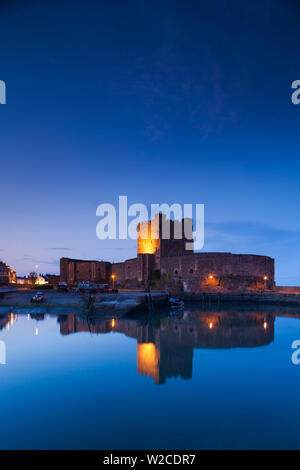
32	277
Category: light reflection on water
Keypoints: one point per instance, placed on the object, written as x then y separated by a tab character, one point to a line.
88	382
165	345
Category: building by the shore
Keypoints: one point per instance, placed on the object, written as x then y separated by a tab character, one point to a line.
7	274
52	279
23	281
168	259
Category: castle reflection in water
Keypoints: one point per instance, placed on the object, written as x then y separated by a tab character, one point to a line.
165	345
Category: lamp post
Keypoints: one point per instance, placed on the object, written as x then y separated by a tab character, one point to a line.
113	279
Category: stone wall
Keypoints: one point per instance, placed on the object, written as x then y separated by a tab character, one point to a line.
131	269
198	272
220	271
73	271
287	289
146	265
118	270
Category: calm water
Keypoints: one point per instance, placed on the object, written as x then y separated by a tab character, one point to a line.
196	380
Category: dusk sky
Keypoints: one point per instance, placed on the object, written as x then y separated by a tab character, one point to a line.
162	101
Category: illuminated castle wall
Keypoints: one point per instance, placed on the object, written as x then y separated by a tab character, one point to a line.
160	253
221	271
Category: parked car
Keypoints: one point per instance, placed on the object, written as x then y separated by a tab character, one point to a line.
38	297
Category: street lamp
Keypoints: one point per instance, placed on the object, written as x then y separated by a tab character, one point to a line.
113	279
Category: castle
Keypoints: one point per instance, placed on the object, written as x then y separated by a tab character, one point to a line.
161	257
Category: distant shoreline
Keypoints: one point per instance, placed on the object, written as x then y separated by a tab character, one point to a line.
124	302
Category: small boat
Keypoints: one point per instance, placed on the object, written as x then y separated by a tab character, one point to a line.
175	303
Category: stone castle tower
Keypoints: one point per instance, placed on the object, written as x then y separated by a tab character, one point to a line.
160	238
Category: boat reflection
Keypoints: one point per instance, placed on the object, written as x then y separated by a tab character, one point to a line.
165	345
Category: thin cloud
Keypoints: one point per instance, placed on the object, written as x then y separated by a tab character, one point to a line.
59	249
40	261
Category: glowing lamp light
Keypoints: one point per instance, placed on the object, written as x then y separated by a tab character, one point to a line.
266	278
113	279
113	323
265	325
210	325
210	277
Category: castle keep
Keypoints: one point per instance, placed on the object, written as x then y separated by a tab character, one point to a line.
165	256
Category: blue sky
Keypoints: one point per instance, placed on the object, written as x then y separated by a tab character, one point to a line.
169	101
